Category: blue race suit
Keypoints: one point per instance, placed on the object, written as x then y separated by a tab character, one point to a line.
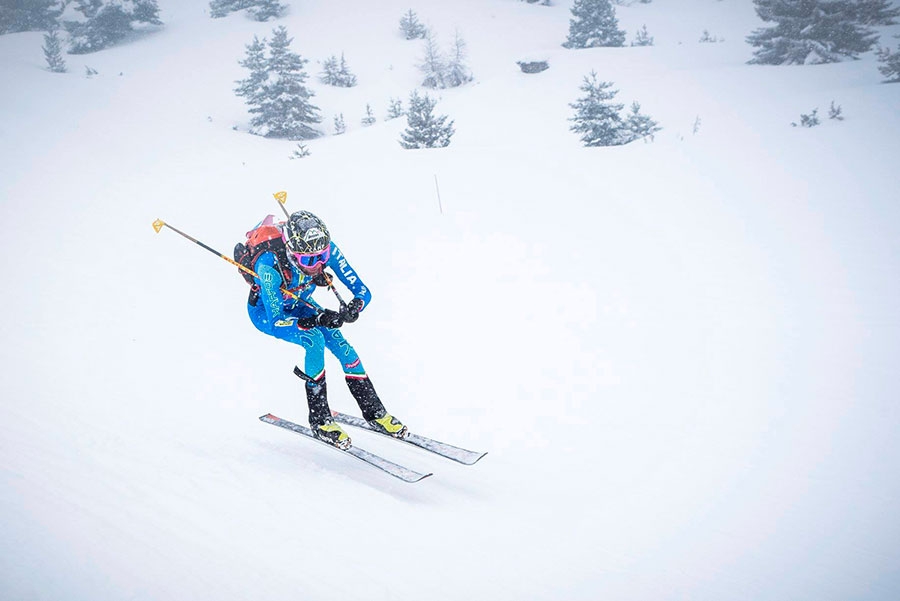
276	313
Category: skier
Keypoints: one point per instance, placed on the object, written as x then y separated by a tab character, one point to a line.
297	262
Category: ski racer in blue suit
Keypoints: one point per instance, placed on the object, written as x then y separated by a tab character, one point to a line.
298	264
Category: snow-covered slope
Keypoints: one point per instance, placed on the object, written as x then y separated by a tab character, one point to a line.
680	355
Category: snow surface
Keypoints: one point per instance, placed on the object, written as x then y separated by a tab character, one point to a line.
681	356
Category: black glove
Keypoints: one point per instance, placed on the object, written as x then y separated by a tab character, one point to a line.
322	279
350	313
330	319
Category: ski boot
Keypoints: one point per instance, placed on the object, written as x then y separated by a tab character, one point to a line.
331	433
390	425
320	422
373	410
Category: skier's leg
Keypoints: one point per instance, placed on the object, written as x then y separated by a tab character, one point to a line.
360	385
320	420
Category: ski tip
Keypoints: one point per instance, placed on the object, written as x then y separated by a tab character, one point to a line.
267	417
429	474
479	458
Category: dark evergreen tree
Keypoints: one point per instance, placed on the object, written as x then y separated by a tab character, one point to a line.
107	22
433	65
643	38
251	88
875	12
808	32
395	109
337	73
263	10
369	119
221	8
594	24
456	73
279	101
638	125
53	52
339	125
30	15
411	27
424	129
890	64
596	119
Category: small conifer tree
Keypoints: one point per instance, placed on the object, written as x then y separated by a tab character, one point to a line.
275	91
395	109
594	24
456	72
639	126
596	118
889	64
424	129
337	73
433	65
339	125
369	119
643	37
53	52
411	27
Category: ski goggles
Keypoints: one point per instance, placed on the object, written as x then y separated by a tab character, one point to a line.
311	260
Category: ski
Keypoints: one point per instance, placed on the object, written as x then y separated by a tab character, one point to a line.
423	442
398	471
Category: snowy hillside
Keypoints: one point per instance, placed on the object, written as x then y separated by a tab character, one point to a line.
681	356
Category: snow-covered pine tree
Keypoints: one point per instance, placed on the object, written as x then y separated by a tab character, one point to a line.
875	12
890	64
263	10
638	125
337	73
221	8
424	129
339	125
643	37
369	119
395	109
106	22
456	72
594	24
808	32
411	27
53	52
251	88
287	110
275	91
30	15
433	65
596	119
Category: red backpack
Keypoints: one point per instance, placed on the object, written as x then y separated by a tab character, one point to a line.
264	237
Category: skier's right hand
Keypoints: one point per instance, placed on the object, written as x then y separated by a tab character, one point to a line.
330	319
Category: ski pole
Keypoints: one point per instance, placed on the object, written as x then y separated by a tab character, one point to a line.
159	224
330	279
281	197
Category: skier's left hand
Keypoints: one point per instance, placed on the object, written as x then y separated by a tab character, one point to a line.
350	313
330	319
